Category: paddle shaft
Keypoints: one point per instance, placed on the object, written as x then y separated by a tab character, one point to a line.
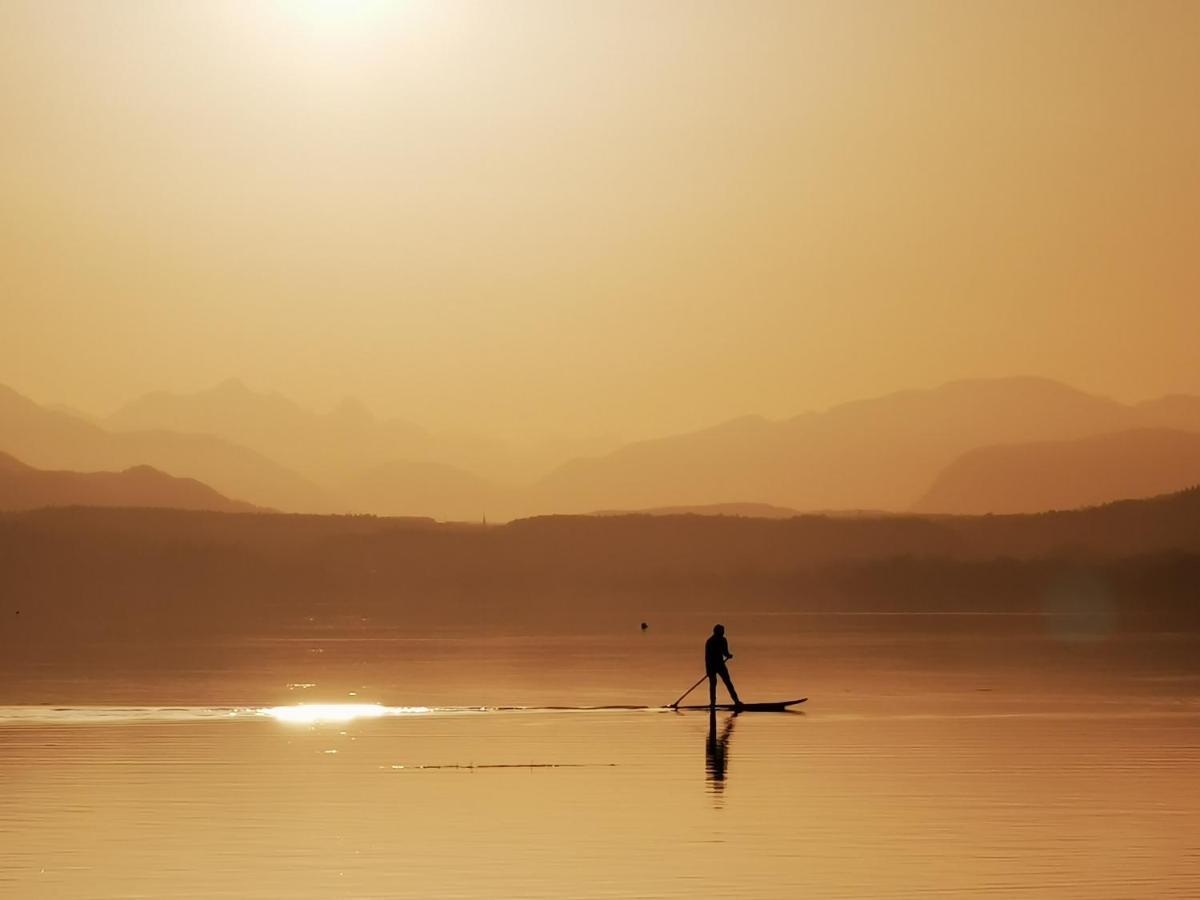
689	690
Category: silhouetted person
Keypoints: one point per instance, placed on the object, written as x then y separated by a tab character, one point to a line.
716	751
716	652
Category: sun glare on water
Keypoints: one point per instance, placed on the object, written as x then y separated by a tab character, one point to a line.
308	714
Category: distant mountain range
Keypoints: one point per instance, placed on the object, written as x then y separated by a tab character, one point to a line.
873	454
343	444
348	437
52	439
1020	478
933	450
23	487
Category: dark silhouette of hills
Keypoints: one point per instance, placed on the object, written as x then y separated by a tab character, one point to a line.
94	582
23	487
634	546
881	453
1015	478
51	439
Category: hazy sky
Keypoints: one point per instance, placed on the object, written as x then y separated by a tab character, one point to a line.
616	217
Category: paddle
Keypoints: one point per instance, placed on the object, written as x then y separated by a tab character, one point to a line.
689	690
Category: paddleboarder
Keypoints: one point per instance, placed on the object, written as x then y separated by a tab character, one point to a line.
716	652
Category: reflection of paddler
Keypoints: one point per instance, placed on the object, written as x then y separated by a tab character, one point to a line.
716	750
716	652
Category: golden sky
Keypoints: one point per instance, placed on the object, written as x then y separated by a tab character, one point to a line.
632	218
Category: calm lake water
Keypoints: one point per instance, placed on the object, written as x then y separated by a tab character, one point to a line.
937	756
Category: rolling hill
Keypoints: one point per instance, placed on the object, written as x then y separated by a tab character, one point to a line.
23	487
175	574
881	453
51	439
1018	478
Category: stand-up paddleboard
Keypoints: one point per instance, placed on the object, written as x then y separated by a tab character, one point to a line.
777	706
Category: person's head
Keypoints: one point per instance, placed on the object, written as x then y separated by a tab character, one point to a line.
718	630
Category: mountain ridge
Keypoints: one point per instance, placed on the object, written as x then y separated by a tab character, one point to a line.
331	447
880	452
24	487
1089	471
51	439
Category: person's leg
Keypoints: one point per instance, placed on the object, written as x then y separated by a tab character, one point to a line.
712	688
728	685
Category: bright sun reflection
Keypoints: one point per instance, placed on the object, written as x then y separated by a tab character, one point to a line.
307	714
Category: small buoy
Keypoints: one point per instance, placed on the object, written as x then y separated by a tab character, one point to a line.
644	626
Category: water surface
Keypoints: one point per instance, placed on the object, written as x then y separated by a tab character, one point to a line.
942	758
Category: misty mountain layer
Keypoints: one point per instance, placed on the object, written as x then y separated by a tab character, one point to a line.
1018	478
907	450
23	487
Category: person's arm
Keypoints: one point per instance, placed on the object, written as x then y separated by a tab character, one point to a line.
728	655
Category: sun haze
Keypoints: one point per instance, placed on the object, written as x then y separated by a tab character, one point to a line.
623	218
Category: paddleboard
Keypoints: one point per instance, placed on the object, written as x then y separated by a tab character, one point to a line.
777	706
